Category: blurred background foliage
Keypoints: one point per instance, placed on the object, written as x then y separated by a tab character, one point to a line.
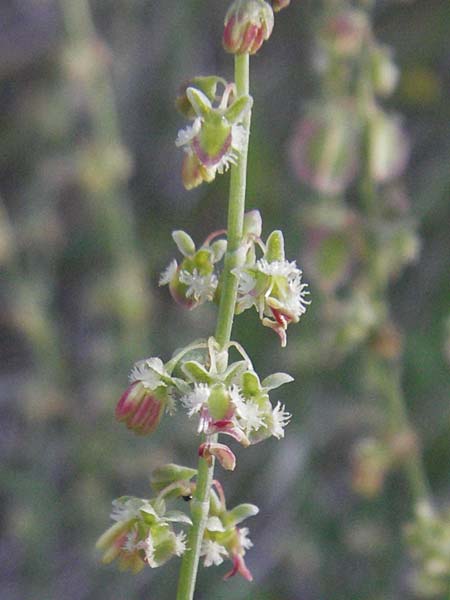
90	190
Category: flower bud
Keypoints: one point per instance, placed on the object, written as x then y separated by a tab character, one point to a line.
141	409
248	23
142	405
253	223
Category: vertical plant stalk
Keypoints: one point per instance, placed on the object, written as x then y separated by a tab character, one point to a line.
236	208
390	373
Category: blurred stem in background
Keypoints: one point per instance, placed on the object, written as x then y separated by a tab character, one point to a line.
236	208
104	167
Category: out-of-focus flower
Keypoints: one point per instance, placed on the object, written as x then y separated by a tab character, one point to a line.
248	23
343	33
324	148
429	539
147	397
274	287
214	140
388	146
370	463
193	282
385	73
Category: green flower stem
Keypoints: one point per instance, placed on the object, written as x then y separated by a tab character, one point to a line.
236	208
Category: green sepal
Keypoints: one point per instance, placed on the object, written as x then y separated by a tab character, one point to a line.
253	223
276	380
243	511
214	524
235	371
218	249
196	372
250	384
199	101
184	242
218	401
275	246
164	476
208	85
236	111
176	516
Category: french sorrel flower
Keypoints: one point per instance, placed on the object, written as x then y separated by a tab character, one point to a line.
248	23
215	138
194	281
143	403
274	287
142	534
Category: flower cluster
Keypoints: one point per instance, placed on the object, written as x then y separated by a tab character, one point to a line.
234	402
214	140
271	284
143	531
142	534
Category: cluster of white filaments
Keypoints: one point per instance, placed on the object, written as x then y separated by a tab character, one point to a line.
213	552
247	415
200	287
291	293
148	372
169	273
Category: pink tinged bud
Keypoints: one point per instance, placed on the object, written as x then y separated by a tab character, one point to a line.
240	567
141	409
248	24
220	451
